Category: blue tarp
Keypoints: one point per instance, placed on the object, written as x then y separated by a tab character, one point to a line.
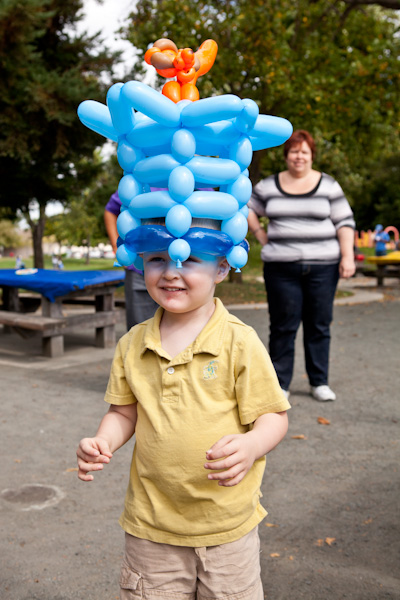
58	283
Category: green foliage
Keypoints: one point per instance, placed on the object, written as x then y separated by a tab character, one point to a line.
384	192
46	70
9	236
329	67
82	220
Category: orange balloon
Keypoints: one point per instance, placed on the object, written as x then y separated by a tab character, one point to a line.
167	73
149	54
190	92
172	90
186	76
188	56
206	55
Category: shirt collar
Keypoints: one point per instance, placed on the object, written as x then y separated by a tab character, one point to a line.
209	340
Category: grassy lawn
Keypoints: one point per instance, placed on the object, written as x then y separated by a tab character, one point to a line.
70	264
250	291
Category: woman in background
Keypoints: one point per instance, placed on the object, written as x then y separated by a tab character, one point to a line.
309	245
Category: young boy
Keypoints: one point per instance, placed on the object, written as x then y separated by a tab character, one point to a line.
197	387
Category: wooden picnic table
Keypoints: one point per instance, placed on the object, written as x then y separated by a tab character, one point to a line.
386	266
56	288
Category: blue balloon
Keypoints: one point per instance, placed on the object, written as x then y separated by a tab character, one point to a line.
124	256
216	171
153	104
242	152
128	156
128	188
244	211
210	110
236	227
178	220
151	205
122	115
96	116
178	147
212	205
149	238
138	263
156	150
181	183
219	134
183	145
246	120
240	189
126	222
179	251
156	168
269	132
182	103
148	133
237	257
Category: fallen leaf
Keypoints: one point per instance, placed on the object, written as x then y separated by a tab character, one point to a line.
271	525
275	555
330	541
71	469
17	460
291	558
319	543
323	421
299	437
368	521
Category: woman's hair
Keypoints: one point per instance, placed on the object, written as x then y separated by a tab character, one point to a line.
297	137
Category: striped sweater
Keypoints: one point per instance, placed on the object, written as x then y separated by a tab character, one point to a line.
302	227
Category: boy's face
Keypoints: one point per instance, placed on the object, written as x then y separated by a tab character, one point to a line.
185	289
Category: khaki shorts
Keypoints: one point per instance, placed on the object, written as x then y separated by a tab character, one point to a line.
155	571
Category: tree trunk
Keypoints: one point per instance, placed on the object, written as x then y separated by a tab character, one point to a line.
37	237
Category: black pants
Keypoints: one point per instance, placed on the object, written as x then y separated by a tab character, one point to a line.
300	293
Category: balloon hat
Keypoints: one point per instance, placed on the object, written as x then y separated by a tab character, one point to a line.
172	144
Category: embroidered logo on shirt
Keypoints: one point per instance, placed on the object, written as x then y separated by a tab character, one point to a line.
210	370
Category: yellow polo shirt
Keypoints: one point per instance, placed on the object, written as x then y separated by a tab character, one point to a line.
218	385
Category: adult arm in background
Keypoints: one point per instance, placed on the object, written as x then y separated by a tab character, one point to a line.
256	228
347	265
110	221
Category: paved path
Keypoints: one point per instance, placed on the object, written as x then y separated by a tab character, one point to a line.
332	491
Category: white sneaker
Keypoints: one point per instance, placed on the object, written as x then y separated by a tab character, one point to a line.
286	393
322	393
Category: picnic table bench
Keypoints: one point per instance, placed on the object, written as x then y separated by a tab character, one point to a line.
57	288
386	266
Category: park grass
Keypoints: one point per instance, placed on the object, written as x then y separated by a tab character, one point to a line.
70	264
250	291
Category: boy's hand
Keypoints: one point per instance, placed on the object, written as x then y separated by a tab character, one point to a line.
235	454
92	454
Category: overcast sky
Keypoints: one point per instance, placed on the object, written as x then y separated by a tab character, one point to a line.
108	17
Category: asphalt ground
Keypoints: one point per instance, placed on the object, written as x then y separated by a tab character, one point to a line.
331	487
